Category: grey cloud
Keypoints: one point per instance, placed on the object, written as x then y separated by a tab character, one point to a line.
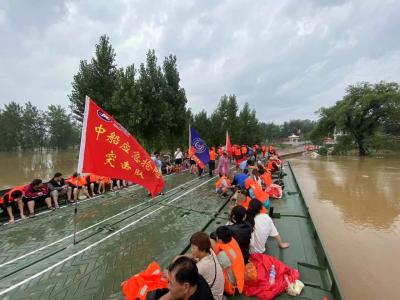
286	58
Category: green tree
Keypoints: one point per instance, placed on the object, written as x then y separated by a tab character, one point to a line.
11	126
249	126
33	128
270	132
174	96
155	116
97	79
61	131
202	124
362	112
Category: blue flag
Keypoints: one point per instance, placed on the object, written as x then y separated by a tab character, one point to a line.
200	147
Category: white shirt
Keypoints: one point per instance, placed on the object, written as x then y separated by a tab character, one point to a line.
206	267
263	228
178	154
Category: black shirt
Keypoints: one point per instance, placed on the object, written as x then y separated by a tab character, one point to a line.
203	291
242	234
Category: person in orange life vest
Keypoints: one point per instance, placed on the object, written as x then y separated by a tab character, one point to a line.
211	163
96	181
244	200
184	282
273	164
57	187
35	192
244	150
265	177
231	260
13	196
263	227
256	191
263	150
223	185
77	184
207	263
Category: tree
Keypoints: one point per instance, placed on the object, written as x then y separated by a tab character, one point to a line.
249	126
33	129
362	112
61	131
155	116
11	126
97	79
174	96
202	124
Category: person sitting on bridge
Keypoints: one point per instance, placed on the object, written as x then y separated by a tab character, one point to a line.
263	227
77	184
207	263
223	185
35	192
57	187
241	230
231	260
13	196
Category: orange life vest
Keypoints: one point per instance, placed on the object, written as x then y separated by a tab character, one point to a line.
218	184
258	192
10	198
212	154
237	151
235	255
137	287
94	178
244	150
267	178
246	204
263	148
77	181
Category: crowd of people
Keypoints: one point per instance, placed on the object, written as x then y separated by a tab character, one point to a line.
220	263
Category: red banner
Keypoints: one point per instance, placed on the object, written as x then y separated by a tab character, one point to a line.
108	149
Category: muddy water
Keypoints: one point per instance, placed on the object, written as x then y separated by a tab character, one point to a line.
355	204
21	167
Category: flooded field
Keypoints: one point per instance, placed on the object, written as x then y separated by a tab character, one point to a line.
355	204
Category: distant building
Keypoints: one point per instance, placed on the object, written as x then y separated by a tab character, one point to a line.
294	138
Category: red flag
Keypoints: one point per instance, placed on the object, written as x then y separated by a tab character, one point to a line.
228	146
107	149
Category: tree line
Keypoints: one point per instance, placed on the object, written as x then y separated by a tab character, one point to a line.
367	118
27	127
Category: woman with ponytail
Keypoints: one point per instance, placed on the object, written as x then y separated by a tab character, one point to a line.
263	227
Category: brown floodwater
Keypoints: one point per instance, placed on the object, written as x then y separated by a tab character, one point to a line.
355	205
21	167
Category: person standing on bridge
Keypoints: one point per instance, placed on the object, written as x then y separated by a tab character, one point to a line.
223	164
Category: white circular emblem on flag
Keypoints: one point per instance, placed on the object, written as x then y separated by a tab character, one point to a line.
199	145
103	116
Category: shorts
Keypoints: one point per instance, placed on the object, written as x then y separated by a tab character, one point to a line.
37	199
192	162
178	161
8	203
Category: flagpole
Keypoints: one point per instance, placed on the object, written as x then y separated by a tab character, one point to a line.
190	139
80	161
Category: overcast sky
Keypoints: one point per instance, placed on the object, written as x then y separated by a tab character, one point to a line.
286	58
